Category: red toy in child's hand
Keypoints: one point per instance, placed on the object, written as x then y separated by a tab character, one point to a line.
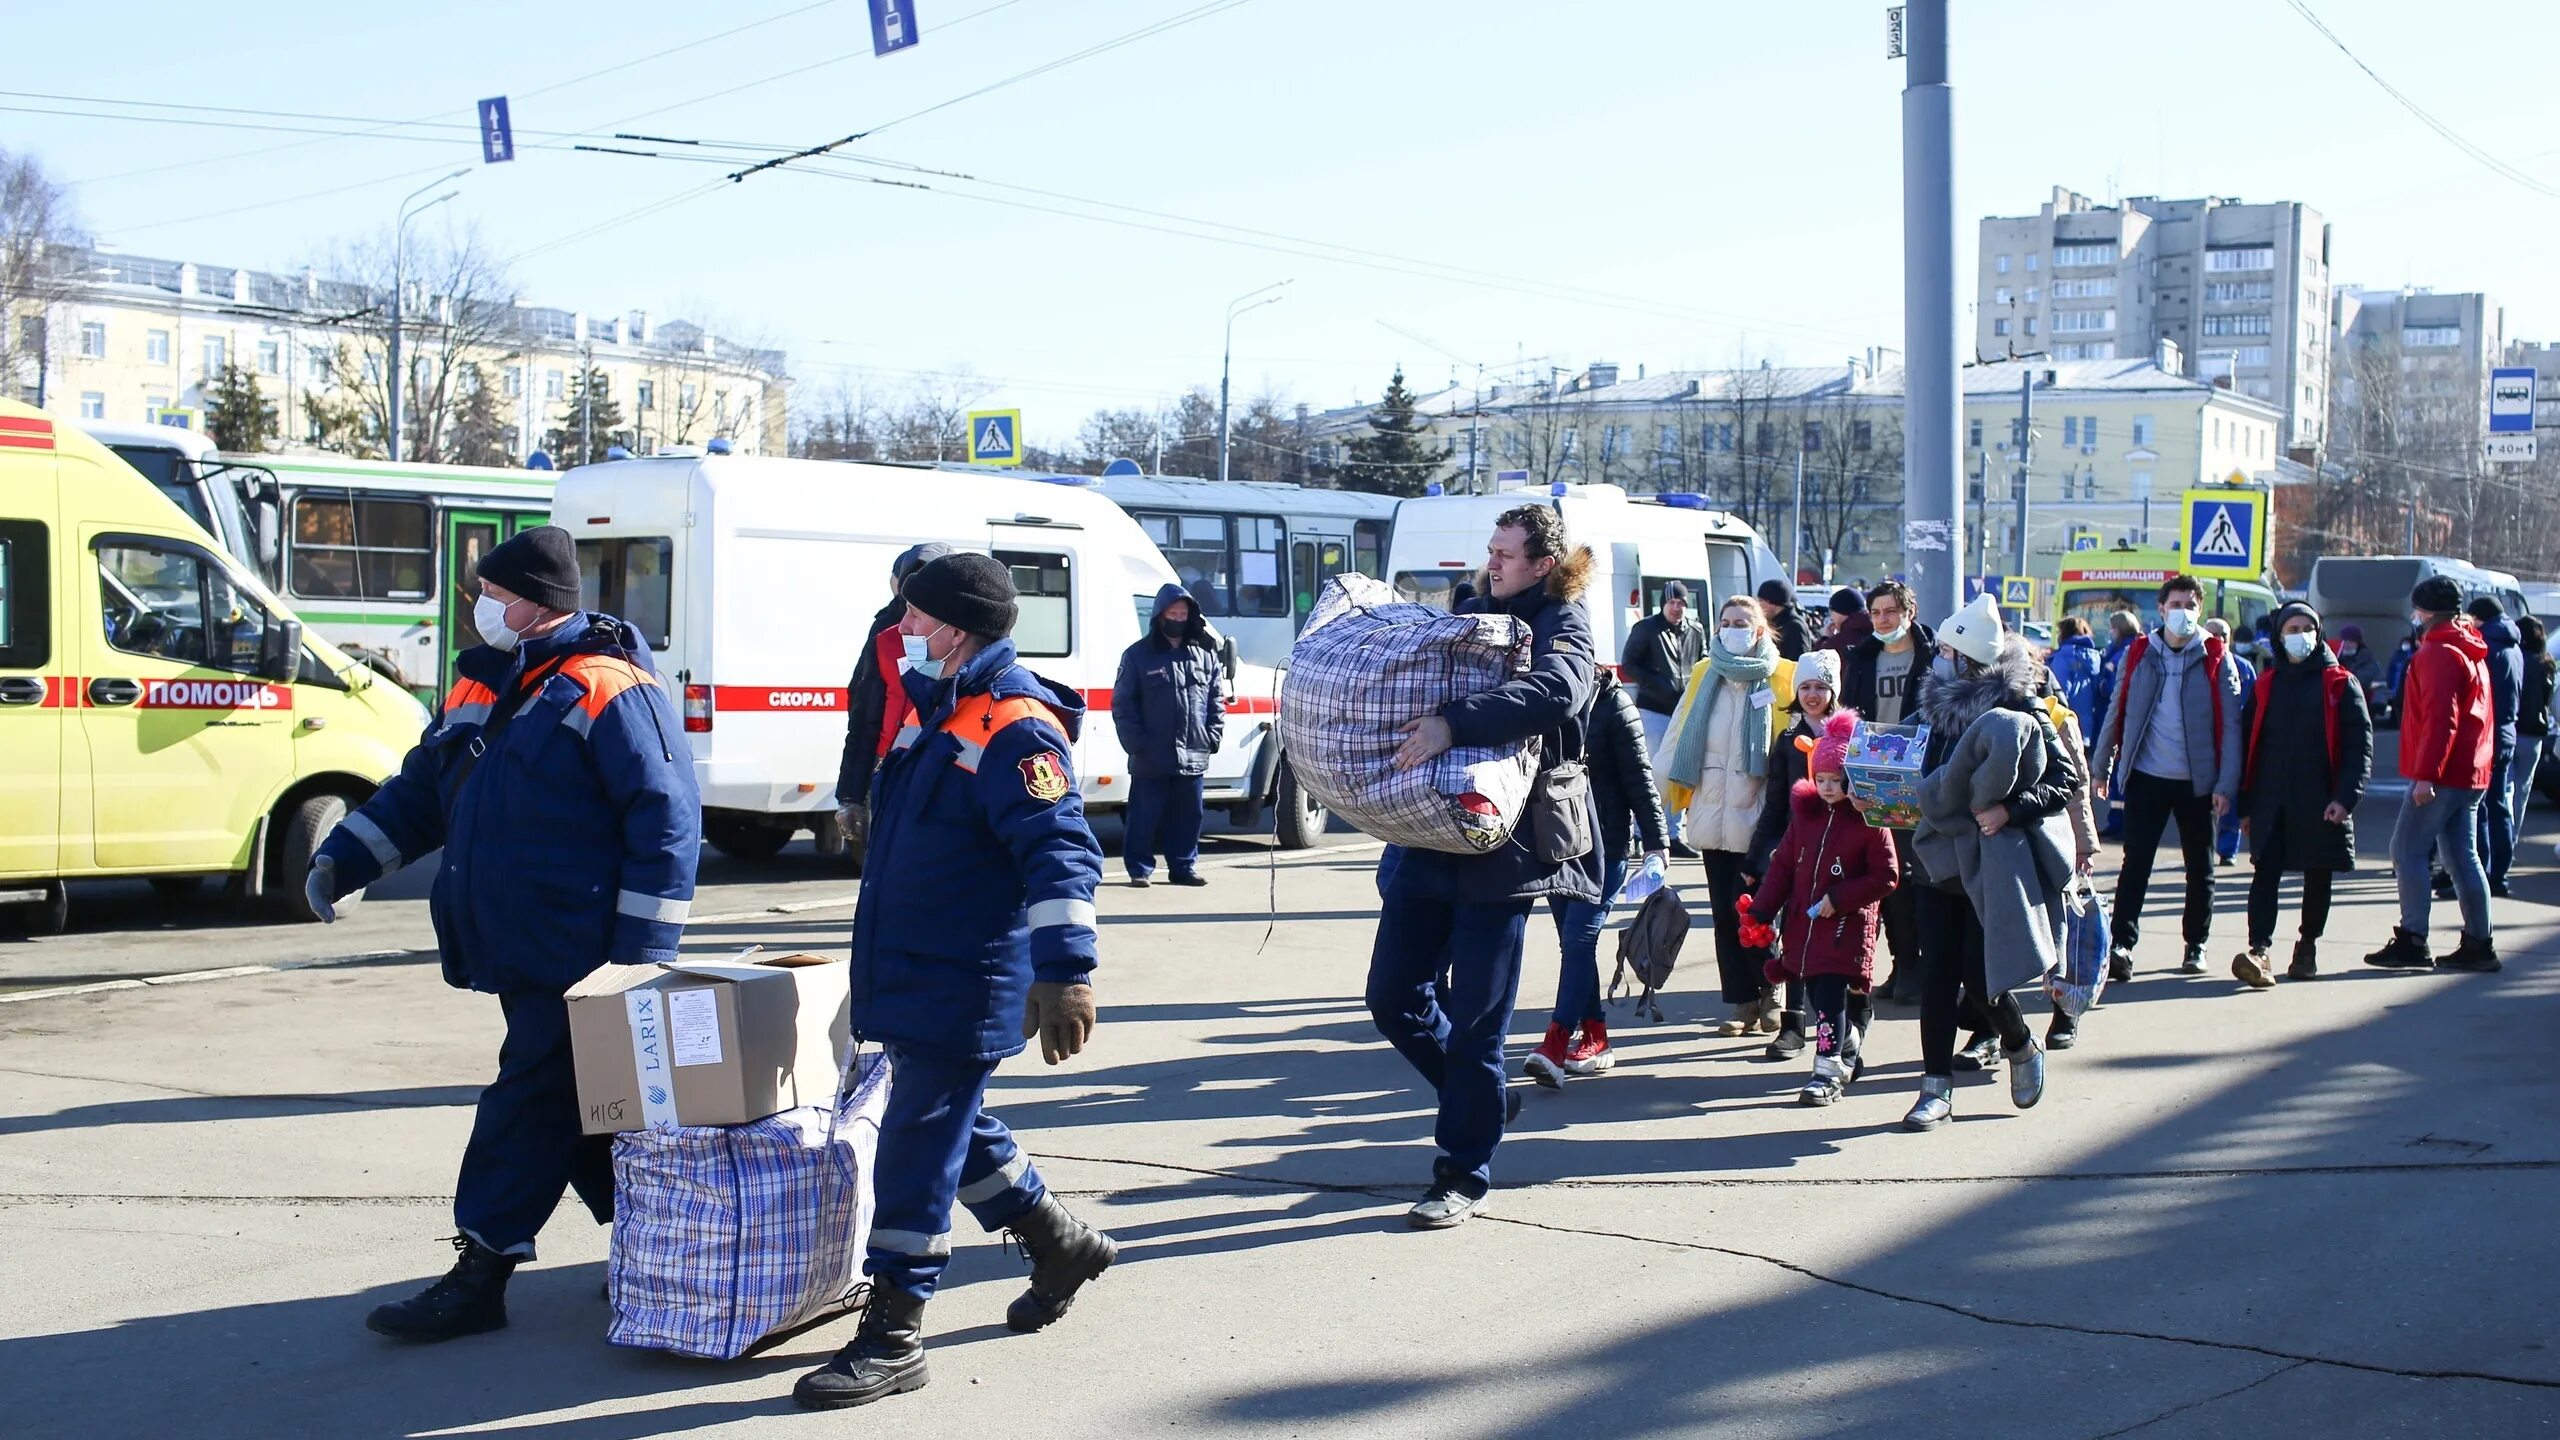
1754	935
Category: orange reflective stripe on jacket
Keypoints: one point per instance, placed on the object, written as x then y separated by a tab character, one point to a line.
606	678
977	718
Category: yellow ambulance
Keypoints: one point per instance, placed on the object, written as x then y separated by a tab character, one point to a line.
162	714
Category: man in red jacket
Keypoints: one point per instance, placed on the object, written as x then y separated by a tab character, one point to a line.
2448	732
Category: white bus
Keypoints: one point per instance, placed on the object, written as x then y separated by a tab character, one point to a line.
1641	544
1254	553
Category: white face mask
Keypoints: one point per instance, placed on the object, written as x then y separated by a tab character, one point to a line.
918	659
1736	639
2179	624
1894	635
2299	644
489	617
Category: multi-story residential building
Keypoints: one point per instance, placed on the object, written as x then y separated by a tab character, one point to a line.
2422	351
2242	290
139	340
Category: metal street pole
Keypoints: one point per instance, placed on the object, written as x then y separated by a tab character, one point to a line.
1226	358
399	239
2026	448
1795	542
1931	417
587	402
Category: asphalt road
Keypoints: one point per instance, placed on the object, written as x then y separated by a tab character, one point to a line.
2323	1209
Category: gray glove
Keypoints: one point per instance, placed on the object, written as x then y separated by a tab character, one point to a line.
1061	1015
321	889
853	818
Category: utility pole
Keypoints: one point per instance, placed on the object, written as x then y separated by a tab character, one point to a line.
1795	542
1931	415
1226	359
392	383
586	402
2026	447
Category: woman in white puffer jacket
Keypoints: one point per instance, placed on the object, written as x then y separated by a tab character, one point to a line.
1716	758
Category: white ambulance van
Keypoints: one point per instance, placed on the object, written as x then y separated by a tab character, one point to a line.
754	577
163	715
1641	544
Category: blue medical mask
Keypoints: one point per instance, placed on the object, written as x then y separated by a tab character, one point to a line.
919	659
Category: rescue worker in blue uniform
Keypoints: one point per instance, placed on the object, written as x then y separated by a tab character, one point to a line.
556	780
973	933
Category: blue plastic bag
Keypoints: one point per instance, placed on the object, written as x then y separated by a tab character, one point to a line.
2074	984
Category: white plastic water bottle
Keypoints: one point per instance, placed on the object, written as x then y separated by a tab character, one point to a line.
1647	880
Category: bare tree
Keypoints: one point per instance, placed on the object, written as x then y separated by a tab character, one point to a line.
2405	440
844	424
1852	470
1109	435
1747	400
933	422
458	308
42	250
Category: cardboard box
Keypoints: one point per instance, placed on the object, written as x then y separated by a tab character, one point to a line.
1883	767
707	1042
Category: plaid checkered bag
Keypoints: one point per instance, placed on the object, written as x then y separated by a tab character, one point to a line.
1364	666
726	1234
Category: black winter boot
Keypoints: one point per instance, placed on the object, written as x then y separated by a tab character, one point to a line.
2403	951
886	1357
2477	954
1790	1040
470	1299
2306	961
1065	1253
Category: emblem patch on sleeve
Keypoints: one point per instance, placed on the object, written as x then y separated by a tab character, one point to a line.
1044	778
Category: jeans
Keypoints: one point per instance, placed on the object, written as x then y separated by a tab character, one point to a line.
1451	1034
2452	820
1656	725
1951	951
525	1148
2149	804
2497	823
1578	927
1164	813
2520	790
939	1146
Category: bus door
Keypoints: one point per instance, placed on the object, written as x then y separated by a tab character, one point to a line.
468	535
1313	560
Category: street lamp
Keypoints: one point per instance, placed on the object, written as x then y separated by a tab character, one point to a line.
399	236
1226	356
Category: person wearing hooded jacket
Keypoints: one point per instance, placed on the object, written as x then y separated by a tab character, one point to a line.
1880	678
1827	875
1170	707
1817	699
2498	816
872	722
1850	625
556	781
973	932
1786	622
2298	800
2448	739
1467	915
1991	858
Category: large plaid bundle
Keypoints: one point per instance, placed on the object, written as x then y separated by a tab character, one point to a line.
725	1234
1364	666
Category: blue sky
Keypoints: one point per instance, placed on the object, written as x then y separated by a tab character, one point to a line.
1711	179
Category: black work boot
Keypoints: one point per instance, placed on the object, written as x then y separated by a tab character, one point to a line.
2477	954
1065	1253
2403	951
2306	961
470	1299
886	1357
1790	1041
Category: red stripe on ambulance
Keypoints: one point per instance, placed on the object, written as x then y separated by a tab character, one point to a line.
777	698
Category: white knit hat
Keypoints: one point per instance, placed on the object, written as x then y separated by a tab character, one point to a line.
1819	667
1974	632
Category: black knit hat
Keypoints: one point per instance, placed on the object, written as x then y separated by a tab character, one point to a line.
972	591
1777	593
2437	595
2485	608
540	564
2291	608
1847	601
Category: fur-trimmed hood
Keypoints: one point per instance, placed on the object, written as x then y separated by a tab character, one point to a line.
1572	574
2013	682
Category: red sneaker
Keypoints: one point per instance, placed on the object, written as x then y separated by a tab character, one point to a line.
1591	1054
1546	1064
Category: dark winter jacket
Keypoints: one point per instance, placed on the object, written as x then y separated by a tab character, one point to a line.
866	696
1630	804
2506	677
1789	756
1828	851
979	874
2075	664
2310	743
568	841
1852	632
1787	630
1858	672
1658	659
2006	753
1551	704
2448	727
2533	712
1168	703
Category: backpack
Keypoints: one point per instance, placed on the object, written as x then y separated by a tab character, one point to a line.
1648	948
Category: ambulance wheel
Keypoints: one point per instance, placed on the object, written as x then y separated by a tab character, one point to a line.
1302	816
48	916
742	837
300	837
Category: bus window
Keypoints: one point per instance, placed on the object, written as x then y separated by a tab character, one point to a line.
1728	575
631	578
1196	547
1302	575
1046	596
1369	548
345	548
1260	588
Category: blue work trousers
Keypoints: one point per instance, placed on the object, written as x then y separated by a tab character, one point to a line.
2451	821
2497	823
1451	1032
938	1145
525	1149
1164	815
1578	927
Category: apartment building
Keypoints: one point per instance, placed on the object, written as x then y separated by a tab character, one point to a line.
2243	291
139	340
2429	354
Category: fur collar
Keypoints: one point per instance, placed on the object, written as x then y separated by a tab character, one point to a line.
1951	706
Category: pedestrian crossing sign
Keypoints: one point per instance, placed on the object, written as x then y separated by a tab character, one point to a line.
2017	592
995	437
2226	534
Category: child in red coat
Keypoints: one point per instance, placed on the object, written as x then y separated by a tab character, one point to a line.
1823	896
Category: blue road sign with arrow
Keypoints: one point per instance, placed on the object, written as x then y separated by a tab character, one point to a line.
497	132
